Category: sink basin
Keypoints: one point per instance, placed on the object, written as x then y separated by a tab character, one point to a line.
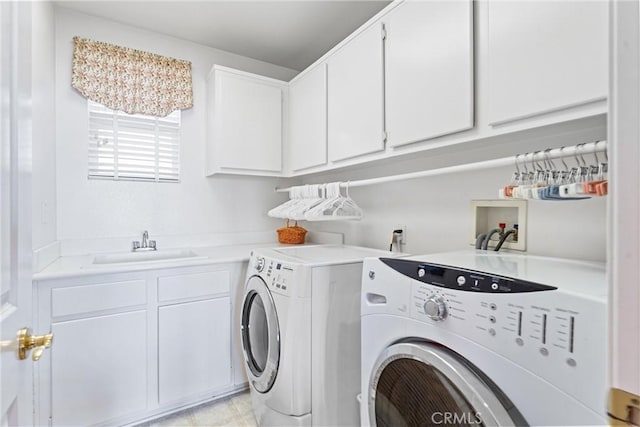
150	256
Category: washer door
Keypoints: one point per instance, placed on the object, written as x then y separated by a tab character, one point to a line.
422	384
260	335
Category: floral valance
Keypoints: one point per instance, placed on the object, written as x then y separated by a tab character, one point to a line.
130	80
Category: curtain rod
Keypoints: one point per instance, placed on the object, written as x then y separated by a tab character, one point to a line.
555	153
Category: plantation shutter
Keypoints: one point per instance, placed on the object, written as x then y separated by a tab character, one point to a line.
133	146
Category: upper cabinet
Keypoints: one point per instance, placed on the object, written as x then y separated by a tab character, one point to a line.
245	123
545	56
429	70
308	119
420	75
356	96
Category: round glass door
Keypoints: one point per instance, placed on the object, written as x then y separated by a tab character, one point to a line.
260	335
418	385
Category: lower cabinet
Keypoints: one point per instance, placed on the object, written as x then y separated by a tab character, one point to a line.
133	346
98	368
194	343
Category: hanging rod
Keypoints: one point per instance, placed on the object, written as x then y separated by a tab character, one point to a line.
556	153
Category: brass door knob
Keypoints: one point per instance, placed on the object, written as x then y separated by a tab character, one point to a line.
28	342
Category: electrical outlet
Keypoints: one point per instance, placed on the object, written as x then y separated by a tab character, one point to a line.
403	241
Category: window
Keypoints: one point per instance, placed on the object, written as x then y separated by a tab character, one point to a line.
133	146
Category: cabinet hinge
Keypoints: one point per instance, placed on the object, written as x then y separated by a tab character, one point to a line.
384	32
385	136
50	421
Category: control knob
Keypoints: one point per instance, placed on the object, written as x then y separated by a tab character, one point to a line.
258	264
435	308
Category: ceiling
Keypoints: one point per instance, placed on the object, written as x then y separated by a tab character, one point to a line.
291	34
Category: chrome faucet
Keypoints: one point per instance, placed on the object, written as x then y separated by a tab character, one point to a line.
147	245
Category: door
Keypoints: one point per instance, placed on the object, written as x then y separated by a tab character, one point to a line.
308	119
624	214
203	365
545	56
248	122
16	398
355	103
260	335
99	369
420	384
429	70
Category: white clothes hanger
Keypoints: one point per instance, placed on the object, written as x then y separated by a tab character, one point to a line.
336	208
311	196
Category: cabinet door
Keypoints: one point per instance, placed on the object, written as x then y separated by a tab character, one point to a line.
429	70
99	368
355	96
308	119
545	56
248	122
194	348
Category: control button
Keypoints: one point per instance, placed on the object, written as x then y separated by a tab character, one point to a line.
372	274
493	306
421	272
461	280
571	362
492	332
278	285
494	286
492	319
544	351
284	288
258	264
435	308
520	341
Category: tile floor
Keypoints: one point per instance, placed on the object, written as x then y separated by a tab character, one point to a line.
233	411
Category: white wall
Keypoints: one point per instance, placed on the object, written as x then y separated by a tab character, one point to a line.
437	210
44	125
98	208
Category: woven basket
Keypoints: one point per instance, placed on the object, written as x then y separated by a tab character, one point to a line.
291	234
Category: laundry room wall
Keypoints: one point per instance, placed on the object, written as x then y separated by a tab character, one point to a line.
437	210
44	125
101	208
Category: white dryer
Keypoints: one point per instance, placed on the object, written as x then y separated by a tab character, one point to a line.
300	329
483	338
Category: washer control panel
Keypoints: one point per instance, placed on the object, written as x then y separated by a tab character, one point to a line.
277	275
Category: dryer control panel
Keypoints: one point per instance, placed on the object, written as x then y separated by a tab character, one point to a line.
462	280
558	335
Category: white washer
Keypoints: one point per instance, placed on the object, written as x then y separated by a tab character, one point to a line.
300	333
483	337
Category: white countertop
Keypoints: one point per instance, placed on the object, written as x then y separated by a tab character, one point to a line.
81	265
